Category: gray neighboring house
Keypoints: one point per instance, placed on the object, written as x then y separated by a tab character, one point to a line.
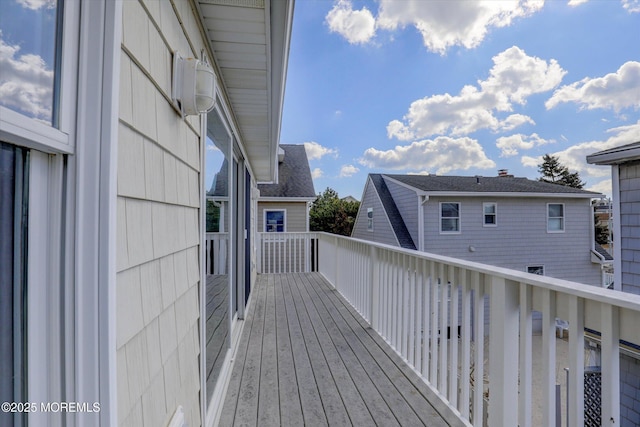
625	178
509	222
284	207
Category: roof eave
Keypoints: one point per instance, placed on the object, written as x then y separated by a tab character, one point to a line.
616	156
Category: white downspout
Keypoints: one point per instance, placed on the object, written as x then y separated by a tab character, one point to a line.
617	247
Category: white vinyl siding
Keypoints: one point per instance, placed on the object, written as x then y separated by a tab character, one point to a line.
450	218
555	218
158	222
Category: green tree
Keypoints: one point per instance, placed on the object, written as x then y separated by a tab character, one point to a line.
554	172
329	213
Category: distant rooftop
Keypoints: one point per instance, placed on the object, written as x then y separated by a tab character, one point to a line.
483	184
294	175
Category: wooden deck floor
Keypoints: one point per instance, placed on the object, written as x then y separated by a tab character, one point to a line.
307	358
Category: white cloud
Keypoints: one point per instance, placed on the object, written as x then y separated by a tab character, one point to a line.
348	170
357	26
37	4
575	157
441	155
509	145
317	151
26	84
603	187
317	173
514	121
574	3
631	6
514	77
446	24
615	90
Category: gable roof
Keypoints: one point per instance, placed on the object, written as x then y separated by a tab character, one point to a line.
220	184
389	205
471	185
294	175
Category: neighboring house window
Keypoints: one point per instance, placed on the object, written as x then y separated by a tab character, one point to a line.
274	221
450	217
370	219
489	214
536	269
555	217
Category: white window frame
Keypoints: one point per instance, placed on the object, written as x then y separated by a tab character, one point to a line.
459	217
536	266
284	219
495	214
556	217
369	219
71	225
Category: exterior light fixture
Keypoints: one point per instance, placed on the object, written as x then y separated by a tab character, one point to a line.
194	85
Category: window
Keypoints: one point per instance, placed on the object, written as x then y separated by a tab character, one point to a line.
370	219
555	218
536	269
450	217
274	221
489	214
33	40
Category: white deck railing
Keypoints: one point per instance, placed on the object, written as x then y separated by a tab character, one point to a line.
216	245
400	293
287	252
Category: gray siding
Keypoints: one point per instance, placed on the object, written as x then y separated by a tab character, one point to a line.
382	231
407	203
296	217
520	238
630	226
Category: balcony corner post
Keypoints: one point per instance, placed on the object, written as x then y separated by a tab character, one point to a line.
504	328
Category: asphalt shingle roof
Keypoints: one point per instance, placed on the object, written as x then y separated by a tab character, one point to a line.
294	175
397	223
494	184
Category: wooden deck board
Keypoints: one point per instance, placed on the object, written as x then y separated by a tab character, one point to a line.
306	357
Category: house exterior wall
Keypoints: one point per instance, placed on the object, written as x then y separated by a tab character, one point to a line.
629	174
158	222
382	231
407	203
520	238
296	217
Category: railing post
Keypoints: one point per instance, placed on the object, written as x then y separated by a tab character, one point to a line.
336	270
375	287
503	402
259	252
610	329
575	408
526	357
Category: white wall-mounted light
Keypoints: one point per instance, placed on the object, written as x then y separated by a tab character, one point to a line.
193	89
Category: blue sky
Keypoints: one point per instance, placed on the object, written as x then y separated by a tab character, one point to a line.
460	87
